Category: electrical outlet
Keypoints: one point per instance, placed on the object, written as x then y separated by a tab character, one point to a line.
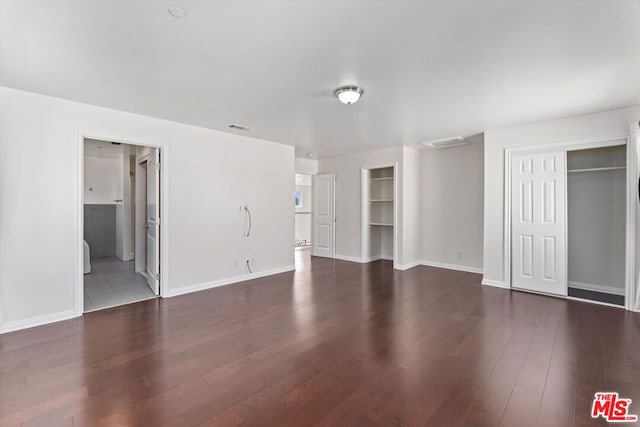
459	255
252	261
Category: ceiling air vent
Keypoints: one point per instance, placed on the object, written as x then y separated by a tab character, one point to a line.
446	143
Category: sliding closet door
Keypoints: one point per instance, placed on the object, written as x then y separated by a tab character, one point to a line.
538	185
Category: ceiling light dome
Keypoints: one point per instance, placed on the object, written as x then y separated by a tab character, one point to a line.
348	94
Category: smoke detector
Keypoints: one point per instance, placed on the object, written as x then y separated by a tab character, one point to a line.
446	143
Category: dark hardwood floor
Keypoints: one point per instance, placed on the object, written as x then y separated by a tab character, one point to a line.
335	344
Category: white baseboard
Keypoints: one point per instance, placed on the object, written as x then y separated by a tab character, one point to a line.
407	266
495	283
412	264
357	259
228	281
36	321
363	260
596	288
350	258
457	267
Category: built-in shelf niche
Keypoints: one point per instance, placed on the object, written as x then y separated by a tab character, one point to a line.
381	197
378	199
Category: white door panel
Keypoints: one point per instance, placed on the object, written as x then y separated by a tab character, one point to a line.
538	183
323	218
153	222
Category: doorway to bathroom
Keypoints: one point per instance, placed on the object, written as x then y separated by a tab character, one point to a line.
121	223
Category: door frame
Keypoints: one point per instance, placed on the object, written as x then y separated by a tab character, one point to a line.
631	208
364	210
146	158
78	295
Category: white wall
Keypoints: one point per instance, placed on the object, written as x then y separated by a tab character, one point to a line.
125	210
349	199
102	180
127	207
107	179
40	171
410	209
306	166
635	142
348	193
451	205
591	126
596	237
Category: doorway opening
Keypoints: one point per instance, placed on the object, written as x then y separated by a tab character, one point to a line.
303	206
379	187
121	223
596	223
302	216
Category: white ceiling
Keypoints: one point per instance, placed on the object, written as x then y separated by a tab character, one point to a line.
430	69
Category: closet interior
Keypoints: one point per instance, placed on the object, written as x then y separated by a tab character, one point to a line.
596	220
379	199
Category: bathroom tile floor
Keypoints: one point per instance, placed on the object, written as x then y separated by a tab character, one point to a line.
113	282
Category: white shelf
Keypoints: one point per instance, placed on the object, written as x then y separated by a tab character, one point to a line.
610	168
384	178
381	224
381	200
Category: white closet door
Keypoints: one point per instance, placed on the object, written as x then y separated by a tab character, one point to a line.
538	223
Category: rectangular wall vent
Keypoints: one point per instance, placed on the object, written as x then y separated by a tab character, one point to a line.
446	143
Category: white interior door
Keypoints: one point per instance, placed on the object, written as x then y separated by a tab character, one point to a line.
153	222
538	222
324	216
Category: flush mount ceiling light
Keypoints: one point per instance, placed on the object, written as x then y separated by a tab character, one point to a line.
177	12
348	94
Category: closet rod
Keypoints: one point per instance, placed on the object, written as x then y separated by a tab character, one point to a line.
610	168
